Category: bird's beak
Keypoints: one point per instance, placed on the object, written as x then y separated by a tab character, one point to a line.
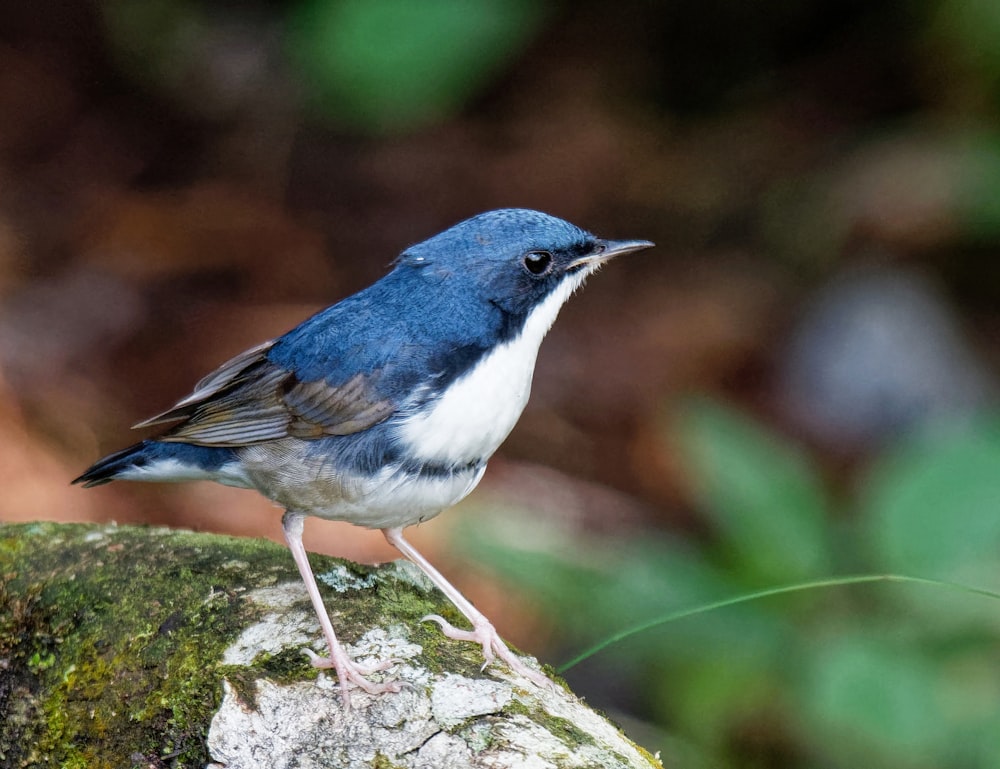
605	250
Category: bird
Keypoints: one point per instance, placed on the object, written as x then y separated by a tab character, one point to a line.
383	409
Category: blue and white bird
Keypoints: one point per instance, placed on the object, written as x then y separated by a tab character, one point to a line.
384	409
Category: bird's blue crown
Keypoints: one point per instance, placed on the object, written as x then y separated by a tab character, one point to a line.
497	236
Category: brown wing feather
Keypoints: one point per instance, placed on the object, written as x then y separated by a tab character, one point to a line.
318	408
249	400
231	372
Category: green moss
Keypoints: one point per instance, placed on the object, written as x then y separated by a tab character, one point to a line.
565	730
381	762
517	708
286	667
568	732
127	646
85	632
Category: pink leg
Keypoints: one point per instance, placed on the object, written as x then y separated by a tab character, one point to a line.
348	672
482	631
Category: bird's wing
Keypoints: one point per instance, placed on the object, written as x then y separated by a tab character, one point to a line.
251	399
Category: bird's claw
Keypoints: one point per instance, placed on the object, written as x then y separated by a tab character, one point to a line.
350	673
493	646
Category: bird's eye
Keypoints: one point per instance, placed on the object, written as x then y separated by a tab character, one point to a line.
537	262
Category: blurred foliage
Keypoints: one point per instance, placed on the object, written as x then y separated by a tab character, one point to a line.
377	67
209	60
394	64
768	493
970	29
930	507
900	676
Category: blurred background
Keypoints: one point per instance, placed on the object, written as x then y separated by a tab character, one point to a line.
798	382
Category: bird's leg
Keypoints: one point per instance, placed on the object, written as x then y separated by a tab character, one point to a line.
348	672
482	631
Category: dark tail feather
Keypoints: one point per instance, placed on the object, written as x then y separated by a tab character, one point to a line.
164	461
107	469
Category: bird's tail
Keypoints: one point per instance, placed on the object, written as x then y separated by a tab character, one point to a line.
163	461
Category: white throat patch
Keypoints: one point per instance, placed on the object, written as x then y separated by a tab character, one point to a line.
474	416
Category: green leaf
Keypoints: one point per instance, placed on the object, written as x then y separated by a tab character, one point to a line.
762	493
879	697
711	698
932	505
390	65
870	696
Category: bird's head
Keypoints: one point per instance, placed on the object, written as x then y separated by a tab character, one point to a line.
513	258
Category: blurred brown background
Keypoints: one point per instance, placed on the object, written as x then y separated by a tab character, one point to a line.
180	180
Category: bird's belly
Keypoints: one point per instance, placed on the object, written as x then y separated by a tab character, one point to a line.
392	496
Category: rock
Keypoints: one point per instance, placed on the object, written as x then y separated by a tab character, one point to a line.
148	647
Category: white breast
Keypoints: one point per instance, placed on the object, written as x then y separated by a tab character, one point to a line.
473	416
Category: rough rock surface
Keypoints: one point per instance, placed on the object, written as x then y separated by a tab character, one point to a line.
132	646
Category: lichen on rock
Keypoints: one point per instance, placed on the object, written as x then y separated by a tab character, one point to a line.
133	646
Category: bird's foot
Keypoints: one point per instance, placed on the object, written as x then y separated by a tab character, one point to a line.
351	673
493	645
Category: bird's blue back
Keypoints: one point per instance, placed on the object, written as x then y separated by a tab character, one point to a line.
446	303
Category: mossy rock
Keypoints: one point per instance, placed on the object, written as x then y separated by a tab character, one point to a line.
125	646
